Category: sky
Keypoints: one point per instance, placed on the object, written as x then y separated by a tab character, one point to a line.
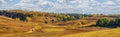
64	6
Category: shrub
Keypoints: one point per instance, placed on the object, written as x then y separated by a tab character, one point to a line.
112	22
103	22
18	19
79	24
84	21
108	23
117	21
35	15
46	22
28	19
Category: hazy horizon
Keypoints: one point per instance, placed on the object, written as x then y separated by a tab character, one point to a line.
64	6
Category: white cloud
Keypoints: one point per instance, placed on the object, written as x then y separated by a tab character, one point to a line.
64	5
61	1
25	5
26	1
2	2
109	3
11	0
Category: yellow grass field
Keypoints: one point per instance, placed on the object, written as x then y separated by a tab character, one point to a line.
103	33
35	24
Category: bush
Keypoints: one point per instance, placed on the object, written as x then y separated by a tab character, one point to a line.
46	22
112	22
79	24
28	19
18	19
117	21
84	21
103	22
108	23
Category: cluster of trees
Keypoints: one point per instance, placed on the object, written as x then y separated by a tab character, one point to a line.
62	17
13	15
28	15
20	15
77	16
81	23
108	23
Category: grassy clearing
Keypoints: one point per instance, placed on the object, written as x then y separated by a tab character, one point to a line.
104	33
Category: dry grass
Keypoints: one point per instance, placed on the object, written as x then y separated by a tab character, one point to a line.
8	25
37	28
104	33
53	30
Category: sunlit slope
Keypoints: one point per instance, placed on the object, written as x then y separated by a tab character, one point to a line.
104	33
8	25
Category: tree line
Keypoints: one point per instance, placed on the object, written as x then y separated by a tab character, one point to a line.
104	22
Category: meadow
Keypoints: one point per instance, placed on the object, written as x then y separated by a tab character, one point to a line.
19	23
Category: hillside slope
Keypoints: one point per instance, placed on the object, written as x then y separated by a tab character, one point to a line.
104	33
9	25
